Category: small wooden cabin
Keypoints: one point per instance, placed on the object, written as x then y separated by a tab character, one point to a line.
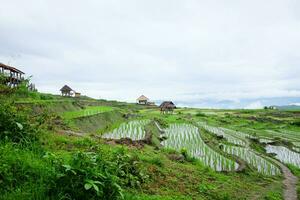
142	100
13	75
167	107
77	94
66	91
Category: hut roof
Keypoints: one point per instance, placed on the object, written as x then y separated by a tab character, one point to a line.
13	69
66	88
168	104
142	98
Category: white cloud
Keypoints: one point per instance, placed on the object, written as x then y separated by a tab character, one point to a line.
182	50
295	104
254	105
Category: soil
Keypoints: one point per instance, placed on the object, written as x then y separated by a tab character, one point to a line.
290	183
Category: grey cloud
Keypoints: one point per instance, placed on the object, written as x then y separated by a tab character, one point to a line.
182	50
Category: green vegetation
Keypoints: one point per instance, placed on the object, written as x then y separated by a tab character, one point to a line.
89	111
55	148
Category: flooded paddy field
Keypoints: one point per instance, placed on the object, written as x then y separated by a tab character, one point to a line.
284	154
186	136
259	163
133	130
230	136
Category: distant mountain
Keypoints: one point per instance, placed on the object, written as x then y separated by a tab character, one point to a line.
246	103
289	107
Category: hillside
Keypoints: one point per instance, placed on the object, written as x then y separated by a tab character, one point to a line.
289	108
81	148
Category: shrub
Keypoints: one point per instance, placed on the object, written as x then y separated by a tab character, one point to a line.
15	125
184	153
156	161
89	175
296	123
128	168
86	176
200	114
22	172
161	122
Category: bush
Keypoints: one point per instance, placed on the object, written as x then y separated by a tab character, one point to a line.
15	125
296	123
184	153
129	169
200	114
156	161
86	176
23	173
161	122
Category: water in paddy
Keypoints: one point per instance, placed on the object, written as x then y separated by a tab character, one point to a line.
265	140
186	136
262	165
284	154
229	135
133	130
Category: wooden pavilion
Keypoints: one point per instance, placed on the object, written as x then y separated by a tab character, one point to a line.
66	91
142	100
13	75
167	107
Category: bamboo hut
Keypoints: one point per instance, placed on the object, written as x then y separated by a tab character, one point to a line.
167	107
66	91
142	100
13	76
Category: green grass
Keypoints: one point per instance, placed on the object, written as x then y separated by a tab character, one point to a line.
296	171
89	111
28	175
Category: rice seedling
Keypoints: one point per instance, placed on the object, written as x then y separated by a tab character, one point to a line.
186	136
296	144
265	140
229	135
262	165
297	149
238	134
284	154
285	135
133	130
89	111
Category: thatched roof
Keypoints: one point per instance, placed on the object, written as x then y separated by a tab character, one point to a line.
10	68
142	98
167	104
66	89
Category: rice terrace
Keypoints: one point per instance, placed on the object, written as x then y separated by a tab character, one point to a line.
150	100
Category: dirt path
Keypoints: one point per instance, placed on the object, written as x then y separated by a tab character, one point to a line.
290	182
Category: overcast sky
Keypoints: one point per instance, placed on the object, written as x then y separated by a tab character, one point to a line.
195	52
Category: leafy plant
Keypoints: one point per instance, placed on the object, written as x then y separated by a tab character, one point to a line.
86	176
15	125
129	169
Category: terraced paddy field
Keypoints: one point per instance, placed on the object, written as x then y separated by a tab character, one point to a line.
89	111
196	153
134	130
187	137
231	137
284	154
259	163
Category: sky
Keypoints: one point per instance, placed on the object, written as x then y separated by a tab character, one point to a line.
214	54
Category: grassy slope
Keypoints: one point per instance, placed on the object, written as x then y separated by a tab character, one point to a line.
89	111
176	180
169	179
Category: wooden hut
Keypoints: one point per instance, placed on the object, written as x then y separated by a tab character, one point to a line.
142	100
13	75
167	107
66	91
77	94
